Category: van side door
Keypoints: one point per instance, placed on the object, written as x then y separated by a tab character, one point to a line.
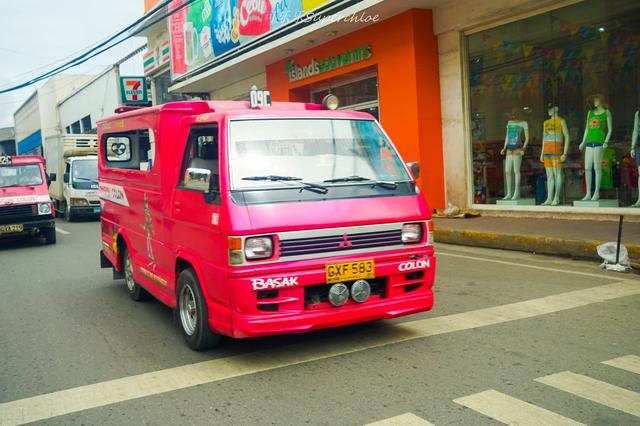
196	210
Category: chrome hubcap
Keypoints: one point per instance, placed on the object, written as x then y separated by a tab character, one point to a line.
188	313
128	273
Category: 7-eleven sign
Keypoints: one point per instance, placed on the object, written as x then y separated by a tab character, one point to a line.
133	90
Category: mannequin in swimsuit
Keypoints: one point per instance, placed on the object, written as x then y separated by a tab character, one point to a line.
515	143
595	139
555	145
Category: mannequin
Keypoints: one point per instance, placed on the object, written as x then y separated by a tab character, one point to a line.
515	143
555	145
595	140
634	153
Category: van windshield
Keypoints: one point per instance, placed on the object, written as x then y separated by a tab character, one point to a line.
23	175
275	153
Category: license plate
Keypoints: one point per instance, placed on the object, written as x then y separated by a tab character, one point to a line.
96	209
350	271
8	229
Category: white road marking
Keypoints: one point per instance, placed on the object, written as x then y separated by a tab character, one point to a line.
58	403
630	363
512	411
595	390
407	419
523	265
62	231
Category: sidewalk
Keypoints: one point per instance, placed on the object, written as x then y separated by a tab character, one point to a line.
573	238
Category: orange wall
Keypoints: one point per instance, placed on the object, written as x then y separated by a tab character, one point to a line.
405	52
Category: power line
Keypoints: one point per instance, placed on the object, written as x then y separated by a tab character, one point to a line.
102	47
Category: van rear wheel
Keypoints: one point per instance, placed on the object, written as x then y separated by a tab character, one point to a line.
193	313
136	292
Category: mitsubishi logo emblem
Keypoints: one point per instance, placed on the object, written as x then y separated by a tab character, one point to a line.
345	241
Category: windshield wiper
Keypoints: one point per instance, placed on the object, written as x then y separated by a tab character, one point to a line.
319	189
380	183
85	179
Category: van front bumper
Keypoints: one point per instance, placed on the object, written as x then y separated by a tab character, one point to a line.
30	226
85	211
398	291
251	326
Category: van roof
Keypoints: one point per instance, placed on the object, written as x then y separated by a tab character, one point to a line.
26	159
203	107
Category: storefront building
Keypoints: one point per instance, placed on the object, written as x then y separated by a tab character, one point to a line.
459	86
388	69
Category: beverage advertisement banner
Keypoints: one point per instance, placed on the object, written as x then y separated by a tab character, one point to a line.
206	29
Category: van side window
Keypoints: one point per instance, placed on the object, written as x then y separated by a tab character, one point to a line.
131	149
202	153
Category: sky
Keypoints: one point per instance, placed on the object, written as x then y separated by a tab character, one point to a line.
35	33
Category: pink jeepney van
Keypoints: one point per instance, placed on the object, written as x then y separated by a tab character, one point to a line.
259	218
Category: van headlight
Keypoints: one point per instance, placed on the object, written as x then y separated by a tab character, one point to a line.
258	248
78	201
44	208
411	233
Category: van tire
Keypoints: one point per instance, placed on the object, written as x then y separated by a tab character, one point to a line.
136	292
49	235
68	216
189	301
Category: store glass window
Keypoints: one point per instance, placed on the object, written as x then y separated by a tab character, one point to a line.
359	95
554	103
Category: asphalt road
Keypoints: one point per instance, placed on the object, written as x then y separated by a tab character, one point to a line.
513	338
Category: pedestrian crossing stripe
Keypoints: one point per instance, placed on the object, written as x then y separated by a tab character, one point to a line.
509	410
407	419
629	363
595	390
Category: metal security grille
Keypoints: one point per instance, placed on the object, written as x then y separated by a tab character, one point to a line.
12	214
343	242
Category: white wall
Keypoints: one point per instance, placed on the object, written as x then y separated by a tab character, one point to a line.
27	118
39	112
240	89
98	98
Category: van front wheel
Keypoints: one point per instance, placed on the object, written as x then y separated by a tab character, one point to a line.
193	313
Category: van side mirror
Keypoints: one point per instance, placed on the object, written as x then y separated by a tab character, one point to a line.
66	178
52	177
414	168
198	179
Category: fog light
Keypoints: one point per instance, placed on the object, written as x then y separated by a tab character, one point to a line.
338	294
360	291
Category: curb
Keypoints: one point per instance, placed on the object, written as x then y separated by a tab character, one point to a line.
582	249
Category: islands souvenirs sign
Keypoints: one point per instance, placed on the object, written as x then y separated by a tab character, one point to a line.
133	91
299	72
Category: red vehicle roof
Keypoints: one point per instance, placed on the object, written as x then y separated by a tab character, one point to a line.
26	159
202	107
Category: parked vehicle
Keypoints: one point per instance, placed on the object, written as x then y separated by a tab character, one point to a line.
25	206
253	219
74	161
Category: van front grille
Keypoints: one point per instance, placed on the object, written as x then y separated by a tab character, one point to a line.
344	242
11	214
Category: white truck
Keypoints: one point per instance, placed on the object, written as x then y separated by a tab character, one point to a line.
73	158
